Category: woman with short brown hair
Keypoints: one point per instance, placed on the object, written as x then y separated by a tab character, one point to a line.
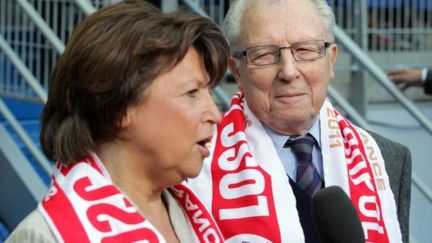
129	117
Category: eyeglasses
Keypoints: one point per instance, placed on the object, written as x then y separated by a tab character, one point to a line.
303	51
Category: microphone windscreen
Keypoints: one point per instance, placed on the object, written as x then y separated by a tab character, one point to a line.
335	217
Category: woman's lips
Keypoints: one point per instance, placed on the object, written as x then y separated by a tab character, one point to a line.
205	152
204	146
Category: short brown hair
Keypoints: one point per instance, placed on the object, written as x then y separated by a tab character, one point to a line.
110	60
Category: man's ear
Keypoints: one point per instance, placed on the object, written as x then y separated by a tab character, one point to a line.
232	64
334	53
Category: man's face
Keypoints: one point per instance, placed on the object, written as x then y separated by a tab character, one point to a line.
286	96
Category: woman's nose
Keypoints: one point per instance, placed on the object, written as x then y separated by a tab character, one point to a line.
213	114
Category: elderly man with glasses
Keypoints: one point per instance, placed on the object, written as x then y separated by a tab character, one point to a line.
281	140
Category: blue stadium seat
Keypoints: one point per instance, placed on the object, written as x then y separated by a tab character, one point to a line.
4	232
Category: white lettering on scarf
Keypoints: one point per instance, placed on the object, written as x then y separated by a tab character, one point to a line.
96	211
240	184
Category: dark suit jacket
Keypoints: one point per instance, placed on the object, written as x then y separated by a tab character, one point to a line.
397	159
428	82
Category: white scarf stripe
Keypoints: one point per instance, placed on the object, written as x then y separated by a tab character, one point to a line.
83	205
339	141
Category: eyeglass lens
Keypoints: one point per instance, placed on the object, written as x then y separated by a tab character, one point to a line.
270	54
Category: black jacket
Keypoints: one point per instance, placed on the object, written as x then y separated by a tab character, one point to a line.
428	82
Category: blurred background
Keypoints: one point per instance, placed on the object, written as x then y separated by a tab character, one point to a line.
374	36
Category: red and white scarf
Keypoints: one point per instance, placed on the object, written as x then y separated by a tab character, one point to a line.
244	183
83	205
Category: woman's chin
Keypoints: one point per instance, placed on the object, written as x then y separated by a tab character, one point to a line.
195	170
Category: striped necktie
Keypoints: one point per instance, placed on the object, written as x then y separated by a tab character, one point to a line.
308	178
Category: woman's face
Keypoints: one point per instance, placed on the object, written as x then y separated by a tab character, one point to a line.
168	131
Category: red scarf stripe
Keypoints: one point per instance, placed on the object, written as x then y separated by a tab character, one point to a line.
232	164
202	222
357	191
64	217
234	213
121	222
94	164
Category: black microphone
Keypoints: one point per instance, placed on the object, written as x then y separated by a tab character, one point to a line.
335	217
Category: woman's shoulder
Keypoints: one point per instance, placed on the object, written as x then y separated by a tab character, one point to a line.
32	229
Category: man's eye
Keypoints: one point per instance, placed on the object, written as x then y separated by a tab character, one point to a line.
264	56
305	53
306	49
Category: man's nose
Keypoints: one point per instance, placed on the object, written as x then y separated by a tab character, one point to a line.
287	66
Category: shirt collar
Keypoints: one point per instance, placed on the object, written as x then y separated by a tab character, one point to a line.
279	140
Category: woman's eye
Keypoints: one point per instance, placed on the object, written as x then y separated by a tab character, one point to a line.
192	93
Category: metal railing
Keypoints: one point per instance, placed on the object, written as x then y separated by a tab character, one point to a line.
85	7
392	25
29	49
398	25
32	38
36	31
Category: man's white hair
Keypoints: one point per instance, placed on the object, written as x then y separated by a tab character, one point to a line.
232	21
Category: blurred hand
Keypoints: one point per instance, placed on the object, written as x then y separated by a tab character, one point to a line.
405	78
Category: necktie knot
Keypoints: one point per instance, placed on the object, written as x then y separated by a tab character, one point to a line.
302	147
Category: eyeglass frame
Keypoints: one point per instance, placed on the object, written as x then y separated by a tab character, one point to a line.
241	54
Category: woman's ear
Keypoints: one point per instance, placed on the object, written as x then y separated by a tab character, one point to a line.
127	119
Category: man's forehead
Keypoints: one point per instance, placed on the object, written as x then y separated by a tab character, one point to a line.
258	13
281	22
